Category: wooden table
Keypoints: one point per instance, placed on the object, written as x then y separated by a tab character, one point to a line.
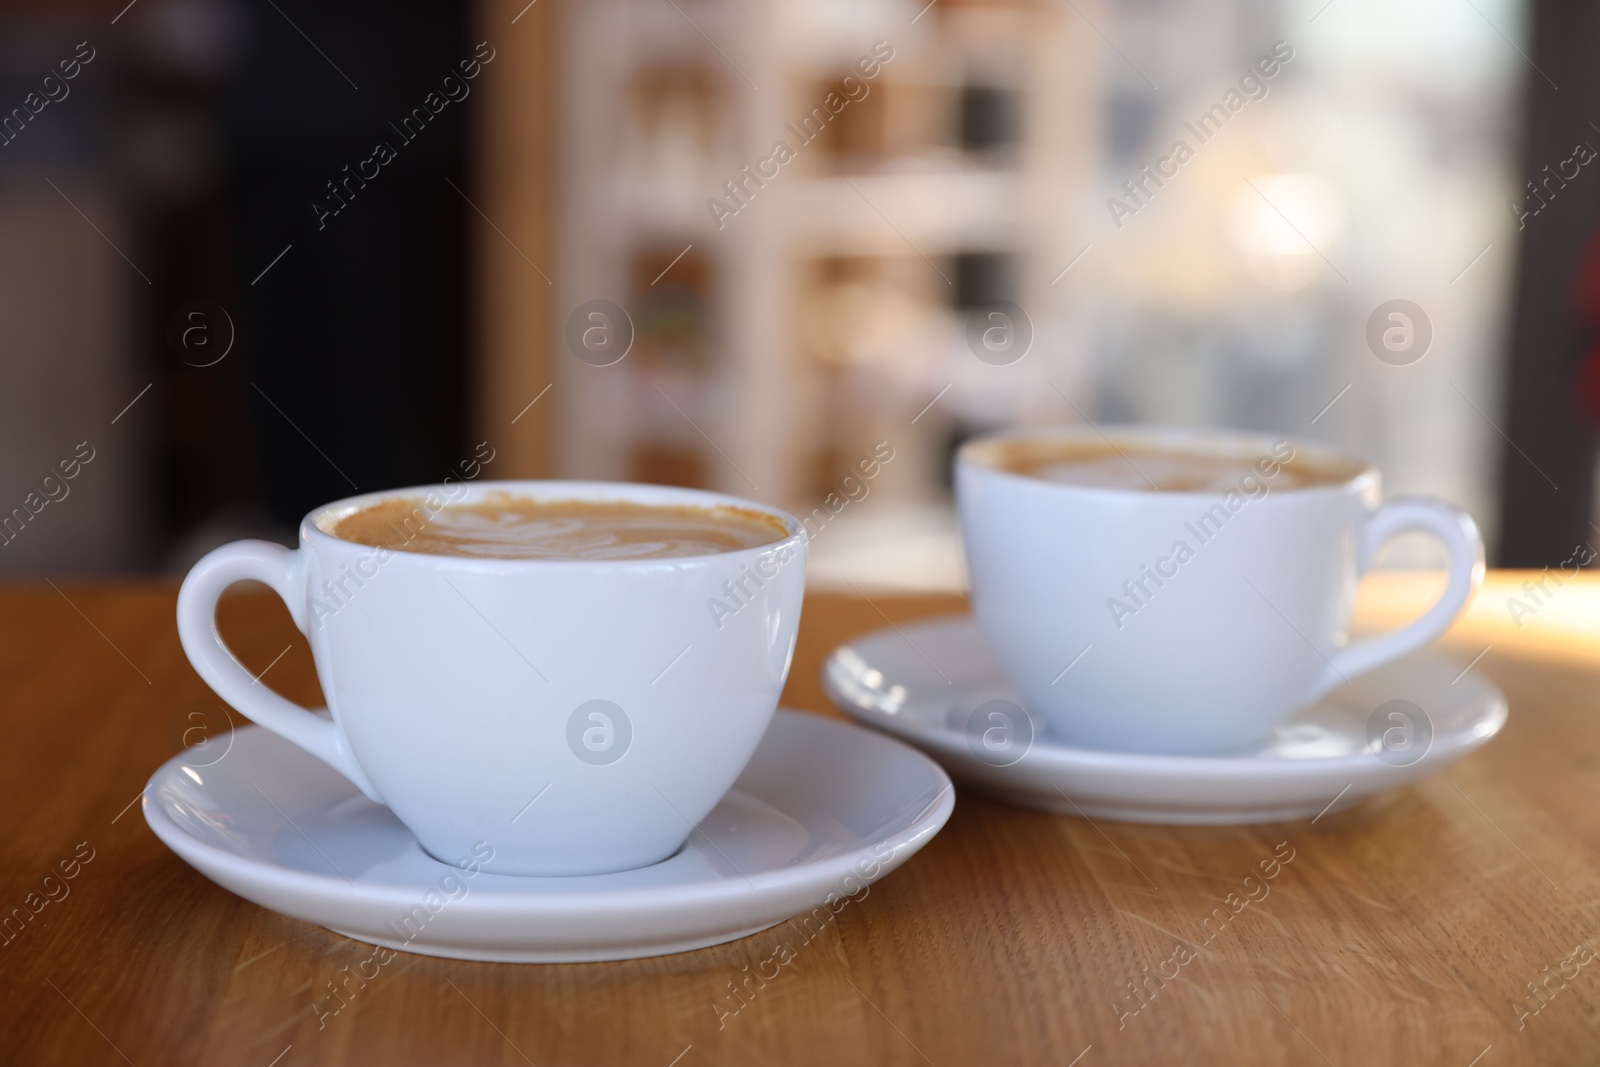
1406	930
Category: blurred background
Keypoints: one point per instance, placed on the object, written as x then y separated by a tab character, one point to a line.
260	254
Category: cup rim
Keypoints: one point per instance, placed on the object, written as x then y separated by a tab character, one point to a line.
313	532
1226	441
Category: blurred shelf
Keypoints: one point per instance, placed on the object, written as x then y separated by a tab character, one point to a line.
937	212
948	207
898	546
656	124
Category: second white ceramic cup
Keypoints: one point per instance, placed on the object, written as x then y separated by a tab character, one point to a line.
579	717
1123	640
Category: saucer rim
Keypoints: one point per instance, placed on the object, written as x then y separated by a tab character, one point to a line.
541	900
1047	753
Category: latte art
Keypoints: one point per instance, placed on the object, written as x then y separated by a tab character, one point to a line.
503	526
1143	467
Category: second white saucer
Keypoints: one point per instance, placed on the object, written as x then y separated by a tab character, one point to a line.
929	684
822	809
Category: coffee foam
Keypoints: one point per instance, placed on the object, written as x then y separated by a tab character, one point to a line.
1143	467
506	526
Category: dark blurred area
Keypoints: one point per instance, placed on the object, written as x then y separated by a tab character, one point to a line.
231	354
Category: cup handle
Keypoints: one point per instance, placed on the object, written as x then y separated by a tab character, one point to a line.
1410	514
279	568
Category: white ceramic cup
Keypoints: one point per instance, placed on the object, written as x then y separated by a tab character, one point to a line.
1124	642
580	717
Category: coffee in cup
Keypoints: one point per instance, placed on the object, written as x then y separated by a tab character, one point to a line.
507	526
1100	464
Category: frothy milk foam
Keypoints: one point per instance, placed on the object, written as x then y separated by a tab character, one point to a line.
1142	467
505	526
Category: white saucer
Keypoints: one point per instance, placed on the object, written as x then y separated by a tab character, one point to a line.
922	683
822	808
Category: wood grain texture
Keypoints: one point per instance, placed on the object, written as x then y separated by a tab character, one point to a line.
1405	930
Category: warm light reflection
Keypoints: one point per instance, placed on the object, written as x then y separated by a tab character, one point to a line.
1284	224
1563	627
